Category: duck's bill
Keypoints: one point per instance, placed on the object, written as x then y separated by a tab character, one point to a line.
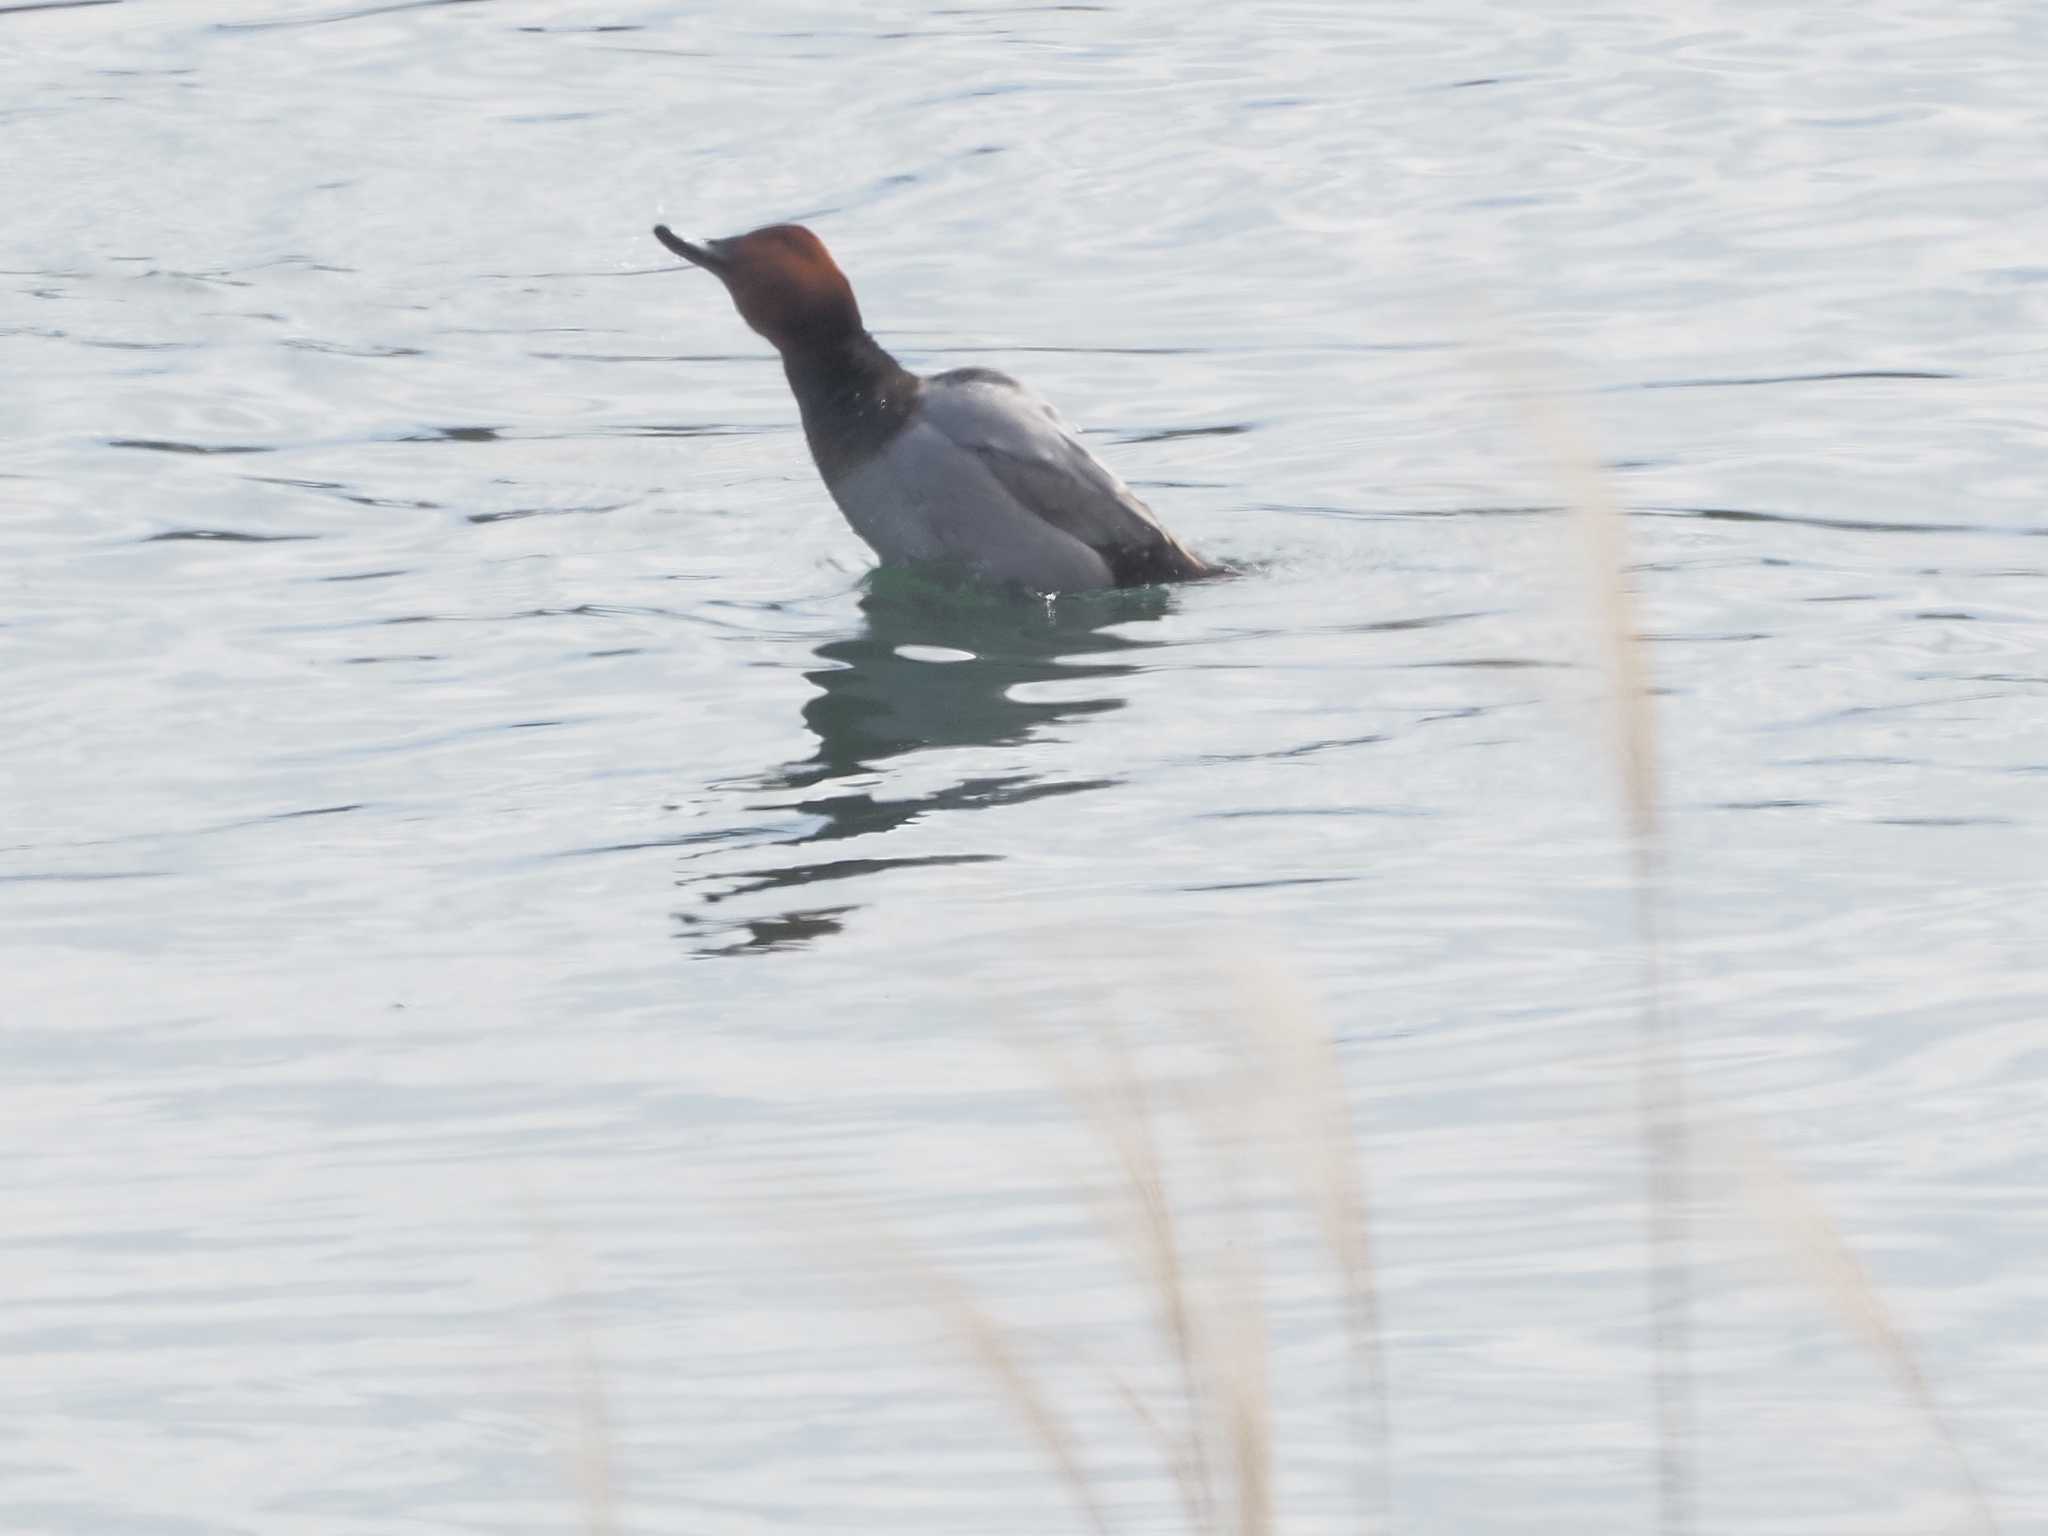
702	253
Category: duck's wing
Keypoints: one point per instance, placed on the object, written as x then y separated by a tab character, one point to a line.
1036	458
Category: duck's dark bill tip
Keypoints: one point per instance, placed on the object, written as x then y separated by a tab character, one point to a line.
696	255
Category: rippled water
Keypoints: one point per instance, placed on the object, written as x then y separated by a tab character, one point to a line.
461	782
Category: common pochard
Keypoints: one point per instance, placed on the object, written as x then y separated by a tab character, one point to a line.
966	469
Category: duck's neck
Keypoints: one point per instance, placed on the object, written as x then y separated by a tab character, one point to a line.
854	398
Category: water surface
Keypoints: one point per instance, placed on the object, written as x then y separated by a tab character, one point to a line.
461	781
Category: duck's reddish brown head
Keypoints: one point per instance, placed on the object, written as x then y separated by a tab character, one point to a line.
782	280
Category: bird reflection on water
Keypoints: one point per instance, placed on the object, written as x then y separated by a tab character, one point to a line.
878	703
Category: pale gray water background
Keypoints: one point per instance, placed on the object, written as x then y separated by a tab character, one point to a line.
449	771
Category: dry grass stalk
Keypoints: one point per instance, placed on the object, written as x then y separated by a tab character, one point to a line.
1221	1455
1210	1316
1143	1224
1602	530
858	1242
1603	546
1307	1099
1800	1222
988	1342
1807	1233
1244	1389
590	1450
597	1479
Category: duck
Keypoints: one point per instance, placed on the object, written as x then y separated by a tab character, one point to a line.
966	470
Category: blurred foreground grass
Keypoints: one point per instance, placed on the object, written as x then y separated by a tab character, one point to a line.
1188	1167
